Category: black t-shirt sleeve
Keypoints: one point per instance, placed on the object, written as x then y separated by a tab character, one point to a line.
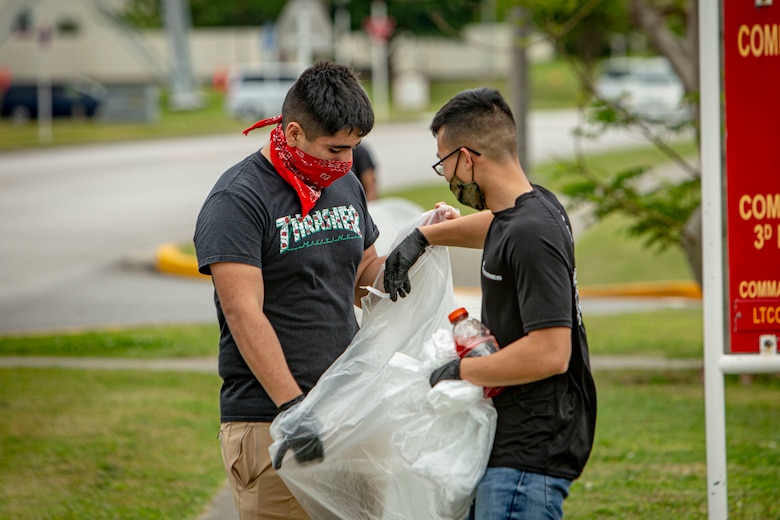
226	231
361	160
542	279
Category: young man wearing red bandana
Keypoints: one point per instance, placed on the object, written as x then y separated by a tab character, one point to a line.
286	236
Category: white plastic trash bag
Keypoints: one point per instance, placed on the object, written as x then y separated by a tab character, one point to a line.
394	447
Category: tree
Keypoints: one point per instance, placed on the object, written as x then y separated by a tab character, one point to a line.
206	13
421	17
664	214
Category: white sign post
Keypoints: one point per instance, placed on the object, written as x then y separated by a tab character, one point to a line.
739	61
712	255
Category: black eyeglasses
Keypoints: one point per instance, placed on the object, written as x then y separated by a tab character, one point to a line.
439	166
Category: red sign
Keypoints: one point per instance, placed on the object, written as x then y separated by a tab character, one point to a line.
762	315
751	54
379	27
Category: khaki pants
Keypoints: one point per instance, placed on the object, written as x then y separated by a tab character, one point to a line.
257	489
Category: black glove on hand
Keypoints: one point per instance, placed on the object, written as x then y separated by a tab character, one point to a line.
449	370
400	260
303	438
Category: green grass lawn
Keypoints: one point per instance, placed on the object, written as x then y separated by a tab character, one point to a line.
632	333
207	120
637	333
607	255
649	460
141	342
85	444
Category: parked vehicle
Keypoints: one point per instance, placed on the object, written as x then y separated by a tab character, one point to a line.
72	98
647	87
257	91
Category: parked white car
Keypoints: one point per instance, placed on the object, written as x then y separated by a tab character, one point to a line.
647	87
257	91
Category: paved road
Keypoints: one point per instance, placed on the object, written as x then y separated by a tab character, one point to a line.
79	225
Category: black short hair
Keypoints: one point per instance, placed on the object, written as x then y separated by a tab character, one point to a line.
328	98
480	119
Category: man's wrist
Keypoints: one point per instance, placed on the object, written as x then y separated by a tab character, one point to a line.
292	402
420	238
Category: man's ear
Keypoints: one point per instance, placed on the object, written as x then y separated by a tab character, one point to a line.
294	133
469	157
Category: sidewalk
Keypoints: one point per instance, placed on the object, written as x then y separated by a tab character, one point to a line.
208	365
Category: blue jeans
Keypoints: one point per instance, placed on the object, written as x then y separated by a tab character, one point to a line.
512	494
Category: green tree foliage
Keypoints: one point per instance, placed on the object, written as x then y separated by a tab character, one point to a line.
206	13
578	29
421	17
661	212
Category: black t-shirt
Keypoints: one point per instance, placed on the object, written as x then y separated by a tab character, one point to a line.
309	266
361	160
529	283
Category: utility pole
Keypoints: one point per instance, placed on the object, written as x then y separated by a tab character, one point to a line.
380	27
341	33
518	81
45	32
177	21
303	28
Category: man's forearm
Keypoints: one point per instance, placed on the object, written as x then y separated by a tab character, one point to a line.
469	231
260	348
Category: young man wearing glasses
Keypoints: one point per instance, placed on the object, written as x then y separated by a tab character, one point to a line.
547	413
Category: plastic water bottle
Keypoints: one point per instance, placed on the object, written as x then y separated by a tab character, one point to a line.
472	338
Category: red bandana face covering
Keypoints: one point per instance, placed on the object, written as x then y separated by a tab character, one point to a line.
307	174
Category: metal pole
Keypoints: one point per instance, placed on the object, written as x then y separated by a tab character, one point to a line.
518	81
379	75
45	33
183	93
342	37
303	28
712	253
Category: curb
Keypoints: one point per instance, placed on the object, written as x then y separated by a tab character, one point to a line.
171	260
672	289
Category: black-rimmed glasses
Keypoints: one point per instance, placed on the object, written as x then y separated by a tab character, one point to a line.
439	166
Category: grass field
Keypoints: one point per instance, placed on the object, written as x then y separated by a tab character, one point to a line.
84	444
123	444
107	444
621	334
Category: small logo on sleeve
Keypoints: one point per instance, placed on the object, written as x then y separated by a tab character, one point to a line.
490	276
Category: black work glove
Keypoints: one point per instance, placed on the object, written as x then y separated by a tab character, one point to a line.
303	438
400	260
449	370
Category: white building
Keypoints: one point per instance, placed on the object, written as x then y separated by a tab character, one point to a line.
86	39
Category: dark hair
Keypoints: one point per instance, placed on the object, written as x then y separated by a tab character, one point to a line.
480	119
327	98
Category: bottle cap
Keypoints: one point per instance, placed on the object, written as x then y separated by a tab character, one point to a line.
457	314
